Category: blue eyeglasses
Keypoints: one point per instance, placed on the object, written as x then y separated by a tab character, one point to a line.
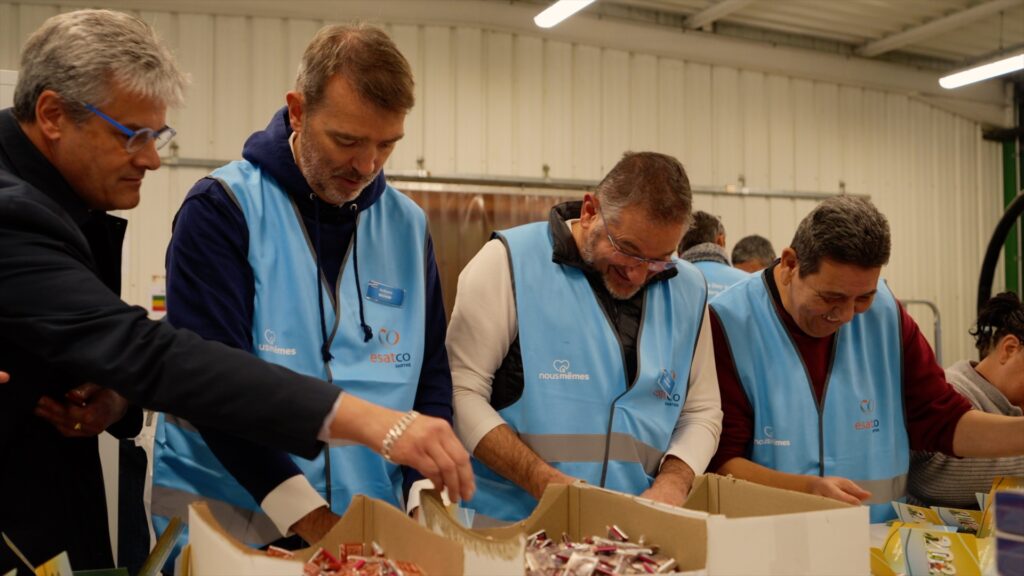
137	139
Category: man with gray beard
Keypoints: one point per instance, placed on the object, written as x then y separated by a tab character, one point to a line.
304	255
581	349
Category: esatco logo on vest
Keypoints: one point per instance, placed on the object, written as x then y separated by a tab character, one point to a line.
666	388
390	338
769	438
867	407
562	372
269	344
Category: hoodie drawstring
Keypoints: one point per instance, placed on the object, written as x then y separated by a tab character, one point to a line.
325	347
367	331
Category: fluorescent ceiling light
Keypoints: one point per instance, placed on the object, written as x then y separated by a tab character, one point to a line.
560	11
983	72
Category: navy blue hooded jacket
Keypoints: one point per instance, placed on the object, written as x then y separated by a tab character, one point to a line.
210	289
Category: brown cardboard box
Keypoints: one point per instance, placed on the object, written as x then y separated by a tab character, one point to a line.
213	552
754	529
727	527
580	510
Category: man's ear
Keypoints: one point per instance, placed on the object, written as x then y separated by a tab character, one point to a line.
296	108
588	212
788	265
51	118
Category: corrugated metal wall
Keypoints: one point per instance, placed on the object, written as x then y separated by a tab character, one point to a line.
496	103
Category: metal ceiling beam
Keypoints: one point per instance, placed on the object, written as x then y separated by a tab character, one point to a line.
665	6
716	11
983	102
935	27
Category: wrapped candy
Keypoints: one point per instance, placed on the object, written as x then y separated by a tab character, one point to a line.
594	556
352	560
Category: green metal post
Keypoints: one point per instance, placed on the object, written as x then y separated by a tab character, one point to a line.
1011	251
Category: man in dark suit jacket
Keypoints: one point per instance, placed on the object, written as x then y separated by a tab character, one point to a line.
88	120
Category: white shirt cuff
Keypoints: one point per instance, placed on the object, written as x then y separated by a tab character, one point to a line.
290	502
414	494
325	428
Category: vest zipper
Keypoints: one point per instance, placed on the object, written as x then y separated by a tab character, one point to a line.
819	404
629	385
335	297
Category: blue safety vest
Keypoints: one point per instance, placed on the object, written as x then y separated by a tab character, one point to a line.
577	411
719	276
286	330
858	431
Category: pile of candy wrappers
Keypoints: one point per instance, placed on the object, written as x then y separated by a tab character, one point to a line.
352	560
594	556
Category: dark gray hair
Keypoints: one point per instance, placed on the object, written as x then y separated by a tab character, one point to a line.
704	228
847	229
81	55
657	182
753	247
1001	316
366	57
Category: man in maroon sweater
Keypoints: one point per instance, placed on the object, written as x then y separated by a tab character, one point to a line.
867	393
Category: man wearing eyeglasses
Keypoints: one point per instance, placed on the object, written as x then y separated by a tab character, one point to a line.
580	348
88	118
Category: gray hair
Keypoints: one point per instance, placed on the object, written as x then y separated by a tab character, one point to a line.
81	55
753	247
657	182
846	229
704	228
366	57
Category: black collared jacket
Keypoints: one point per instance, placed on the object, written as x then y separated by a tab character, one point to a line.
62	323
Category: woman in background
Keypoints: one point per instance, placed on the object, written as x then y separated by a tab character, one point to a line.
996	385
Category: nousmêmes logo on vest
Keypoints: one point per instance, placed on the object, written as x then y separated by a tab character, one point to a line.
562	371
270	345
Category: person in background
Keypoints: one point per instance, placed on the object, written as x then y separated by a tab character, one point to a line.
995	384
827	383
554	378
303	255
704	246
89	116
753	253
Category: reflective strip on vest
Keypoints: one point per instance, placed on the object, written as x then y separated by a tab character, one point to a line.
884	491
577	410
248	526
592	447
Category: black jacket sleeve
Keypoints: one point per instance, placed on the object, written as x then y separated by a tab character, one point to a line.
56	316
